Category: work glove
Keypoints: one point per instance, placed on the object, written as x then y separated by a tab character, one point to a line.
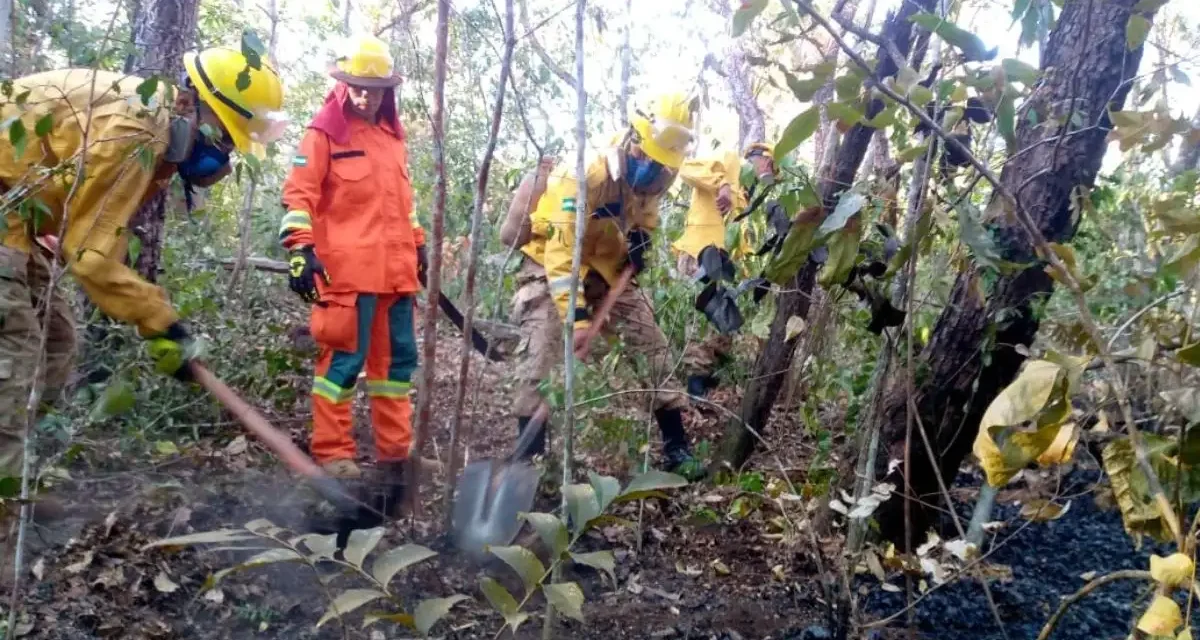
716	264
172	352
422	263
302	275
639	243
725	199
720	307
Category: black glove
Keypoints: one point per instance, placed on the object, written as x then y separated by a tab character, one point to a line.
422	263
302	276
172	351
639	243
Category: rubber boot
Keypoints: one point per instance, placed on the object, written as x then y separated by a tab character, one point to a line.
538	447
391	486
677	453
698	385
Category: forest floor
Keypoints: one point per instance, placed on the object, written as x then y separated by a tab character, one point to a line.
696	572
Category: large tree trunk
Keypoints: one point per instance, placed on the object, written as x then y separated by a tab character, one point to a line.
163	31
1088	65
770	370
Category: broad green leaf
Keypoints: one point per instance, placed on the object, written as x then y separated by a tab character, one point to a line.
393	561
844	113
395	618
1019	71
1185	259
920	95
524	563
166	448
552	531
796	247
745	15
599	560
1019	8
347	602
270	556
653	480
1189	354
567	597
606	488
146	89
44	126
798	130
116	399
911	153
207	537
581	504
849	203
430	611
1006	121
321	546
969	44
252	48
361	543
503	602
803	90
977	238
1136	31
1149	5
843	253
18	137
242	82
848	85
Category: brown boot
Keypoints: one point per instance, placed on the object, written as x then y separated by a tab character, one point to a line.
343	469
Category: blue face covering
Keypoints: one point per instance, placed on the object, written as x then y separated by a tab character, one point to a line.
641	173
204	161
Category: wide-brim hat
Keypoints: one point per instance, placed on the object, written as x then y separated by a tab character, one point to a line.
368	82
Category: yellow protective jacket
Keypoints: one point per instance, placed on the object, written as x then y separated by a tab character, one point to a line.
613	210
122	167
705	225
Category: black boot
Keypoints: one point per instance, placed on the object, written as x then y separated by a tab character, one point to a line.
391	487
698	385
538	447
677	453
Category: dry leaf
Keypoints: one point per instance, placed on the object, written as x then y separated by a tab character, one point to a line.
687	570
777	571
164	583
1062	448
1162	618
962	549
1101	425
237	447
1089	576
875	566
1173	570
720	567
110	578
891	588
215	596
795	325
1044	510
39	568
83	563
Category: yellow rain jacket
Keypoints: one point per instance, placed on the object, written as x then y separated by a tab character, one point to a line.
705	225
613	209
125	142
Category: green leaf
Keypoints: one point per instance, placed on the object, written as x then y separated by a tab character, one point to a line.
207	537
599	560
116	399
1189	354
1136	31
430	611
796	247
920	95
166	448
321	546
849	84
567	597
844	113
582	505
270	556
848	204
977	238
969	44
146	89
911	153
606	488
552	531
243	80
1185	259
1019	8
44	126
347	602
804	90
503	602
252	48
652	480
843	253
18	137
394	561
524	563
798	130
395	618
1148	6
1006	121
361	543
744	16
1019	71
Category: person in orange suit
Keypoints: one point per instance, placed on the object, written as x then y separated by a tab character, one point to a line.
356	251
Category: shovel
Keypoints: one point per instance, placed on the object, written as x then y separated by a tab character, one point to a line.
352	512
490	494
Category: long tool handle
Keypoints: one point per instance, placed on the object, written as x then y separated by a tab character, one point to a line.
537	423
275	439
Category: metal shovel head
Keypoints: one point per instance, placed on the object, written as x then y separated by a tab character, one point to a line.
490	495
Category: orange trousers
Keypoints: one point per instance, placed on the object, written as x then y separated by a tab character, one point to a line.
353	330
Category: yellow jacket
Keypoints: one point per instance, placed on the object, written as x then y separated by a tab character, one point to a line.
613	209
705	225
125	141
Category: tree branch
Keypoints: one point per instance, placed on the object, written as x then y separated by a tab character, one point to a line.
542	53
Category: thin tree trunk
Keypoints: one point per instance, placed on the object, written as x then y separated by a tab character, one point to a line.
434	282
770	370
457	432
163	32
1189	151
626	62
973	351
6	38
346	10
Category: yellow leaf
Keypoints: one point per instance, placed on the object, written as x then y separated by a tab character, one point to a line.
1173	570
1139	512
1044	510
1186	634
795	325
1038	395
1161	618
1022	400
1063	447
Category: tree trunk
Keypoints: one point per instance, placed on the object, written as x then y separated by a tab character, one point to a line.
1189	152
1087	67
163	31
626	63
770	370
6	38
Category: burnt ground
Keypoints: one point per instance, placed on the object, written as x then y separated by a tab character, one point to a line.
691	570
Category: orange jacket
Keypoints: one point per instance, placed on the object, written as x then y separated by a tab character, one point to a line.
354	204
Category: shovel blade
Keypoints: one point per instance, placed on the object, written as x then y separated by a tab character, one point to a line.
489	498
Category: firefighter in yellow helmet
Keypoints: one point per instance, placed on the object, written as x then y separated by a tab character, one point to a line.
104	145
717	196
624	188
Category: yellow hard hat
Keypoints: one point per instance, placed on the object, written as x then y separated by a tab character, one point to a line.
760	147
666	132
366	62
252	115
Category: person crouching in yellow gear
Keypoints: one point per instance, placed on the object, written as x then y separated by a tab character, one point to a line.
105	146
